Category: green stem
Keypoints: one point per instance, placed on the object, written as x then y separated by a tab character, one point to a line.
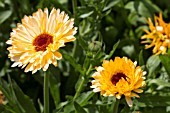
79	88
82	83
74	49
74	5
88	71
46	93
116	106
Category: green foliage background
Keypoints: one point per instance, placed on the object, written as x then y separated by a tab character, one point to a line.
106	28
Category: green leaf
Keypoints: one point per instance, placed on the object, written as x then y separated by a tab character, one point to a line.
69	107
86	14
72	61
139	30
83	43
152	63
84	28
54	84
159	82
40	106
5	15
8	92
14	97
11	109
143	10
4	87
111	4
2	4
18	102
152	8
84	98
165	60
24	100
112	51
130	6
133	18
78	108
129	50
154	100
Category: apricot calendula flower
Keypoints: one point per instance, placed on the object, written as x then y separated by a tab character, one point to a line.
119	77
35	42
158	37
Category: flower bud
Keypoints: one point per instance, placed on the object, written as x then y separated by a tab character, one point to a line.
95	46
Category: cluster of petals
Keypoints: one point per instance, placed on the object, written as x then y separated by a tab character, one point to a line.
119	77
35	42
158	36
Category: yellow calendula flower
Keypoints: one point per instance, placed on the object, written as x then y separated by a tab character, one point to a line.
158	37
35	42
119	77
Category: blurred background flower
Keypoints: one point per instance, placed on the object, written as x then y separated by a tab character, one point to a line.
158	36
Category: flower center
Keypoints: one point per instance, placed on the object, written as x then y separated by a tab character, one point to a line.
42	41
115	78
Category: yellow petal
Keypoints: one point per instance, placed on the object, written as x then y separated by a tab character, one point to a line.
129	101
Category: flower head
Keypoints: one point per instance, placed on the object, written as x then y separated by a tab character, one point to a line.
158	36
35	42
119	77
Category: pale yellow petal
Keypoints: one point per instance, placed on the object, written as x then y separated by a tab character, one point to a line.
35	41
129	101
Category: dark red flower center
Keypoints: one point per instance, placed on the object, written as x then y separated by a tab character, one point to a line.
115	78
42	41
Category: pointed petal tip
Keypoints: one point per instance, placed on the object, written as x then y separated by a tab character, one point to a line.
129	101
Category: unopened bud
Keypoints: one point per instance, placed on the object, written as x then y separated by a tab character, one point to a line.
95	46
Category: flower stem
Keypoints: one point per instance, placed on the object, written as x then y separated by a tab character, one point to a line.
74	5
79	88
116	105
82	83
46	93
88	71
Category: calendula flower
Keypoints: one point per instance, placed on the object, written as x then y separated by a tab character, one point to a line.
159	35
119	77
35	42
